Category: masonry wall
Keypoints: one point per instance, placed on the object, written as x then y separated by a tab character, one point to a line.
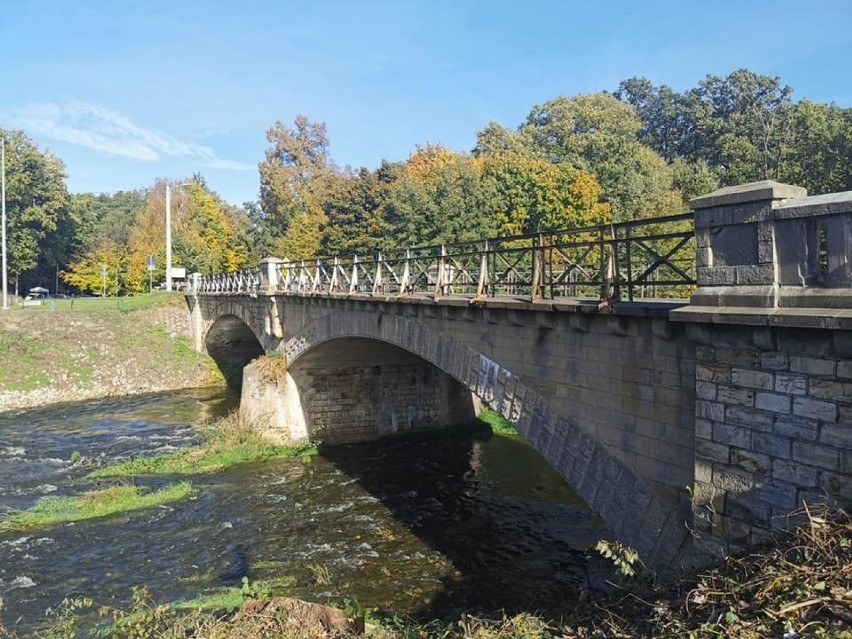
773	428
344	405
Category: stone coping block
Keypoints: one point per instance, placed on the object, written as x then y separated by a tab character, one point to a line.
825	318
751	192
815	206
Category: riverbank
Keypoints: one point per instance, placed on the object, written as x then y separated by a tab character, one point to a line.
797	588
103	348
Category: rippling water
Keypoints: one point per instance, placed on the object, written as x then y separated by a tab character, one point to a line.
427	525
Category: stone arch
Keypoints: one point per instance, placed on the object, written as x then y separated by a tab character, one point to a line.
623	500
232	344
252	314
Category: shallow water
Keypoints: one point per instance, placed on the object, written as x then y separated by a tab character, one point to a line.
427	526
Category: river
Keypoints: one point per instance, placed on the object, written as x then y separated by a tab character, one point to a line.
427	526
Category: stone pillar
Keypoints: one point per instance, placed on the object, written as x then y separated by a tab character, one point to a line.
269	274
194	284
196	317
735	255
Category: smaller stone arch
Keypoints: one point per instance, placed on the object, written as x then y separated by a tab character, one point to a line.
232	344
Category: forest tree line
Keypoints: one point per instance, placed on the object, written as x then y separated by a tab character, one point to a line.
638	152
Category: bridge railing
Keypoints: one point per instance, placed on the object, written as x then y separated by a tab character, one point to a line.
247	281
639	259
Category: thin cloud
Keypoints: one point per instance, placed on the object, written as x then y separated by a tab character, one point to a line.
109	132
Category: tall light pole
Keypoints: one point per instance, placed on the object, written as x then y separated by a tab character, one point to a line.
3	197
168	237
169	234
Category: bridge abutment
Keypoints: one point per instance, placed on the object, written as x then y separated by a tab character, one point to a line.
772	320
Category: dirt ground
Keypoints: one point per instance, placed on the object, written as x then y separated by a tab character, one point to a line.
59	355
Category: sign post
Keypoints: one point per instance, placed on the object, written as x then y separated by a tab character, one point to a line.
152	264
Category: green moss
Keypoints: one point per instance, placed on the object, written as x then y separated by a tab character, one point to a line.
497	422
97	503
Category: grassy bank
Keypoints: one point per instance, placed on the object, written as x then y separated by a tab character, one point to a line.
100	347
103	502
228	442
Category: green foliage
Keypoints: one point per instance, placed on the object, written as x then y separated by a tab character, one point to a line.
598	134
745	127
623	557
38	221
102	502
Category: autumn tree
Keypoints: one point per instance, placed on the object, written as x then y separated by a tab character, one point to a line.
291	194
532	194
100	270
437	196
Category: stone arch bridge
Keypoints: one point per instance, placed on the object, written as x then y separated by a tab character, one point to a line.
690	427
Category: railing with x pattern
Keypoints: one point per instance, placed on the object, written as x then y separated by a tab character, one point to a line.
631	260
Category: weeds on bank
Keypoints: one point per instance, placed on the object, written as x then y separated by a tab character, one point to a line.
228	442
800	587
90	505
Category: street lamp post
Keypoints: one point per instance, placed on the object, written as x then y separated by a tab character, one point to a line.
169	234
3	198
168	237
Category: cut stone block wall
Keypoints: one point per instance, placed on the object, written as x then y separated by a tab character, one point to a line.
773	429
363	403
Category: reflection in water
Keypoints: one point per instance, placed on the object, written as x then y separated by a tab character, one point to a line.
424	525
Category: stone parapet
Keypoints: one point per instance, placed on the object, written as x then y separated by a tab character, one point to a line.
767	245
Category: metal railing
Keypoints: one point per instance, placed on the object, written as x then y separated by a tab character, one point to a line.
640	259
247	281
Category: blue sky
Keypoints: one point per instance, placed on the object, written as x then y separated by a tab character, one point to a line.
127	91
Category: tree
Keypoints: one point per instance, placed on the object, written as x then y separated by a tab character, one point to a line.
598	134
533	195
741	125
290	192
208	235
353	206
750	120
822	157
86	272
668	118
37	209
495	138
437	196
